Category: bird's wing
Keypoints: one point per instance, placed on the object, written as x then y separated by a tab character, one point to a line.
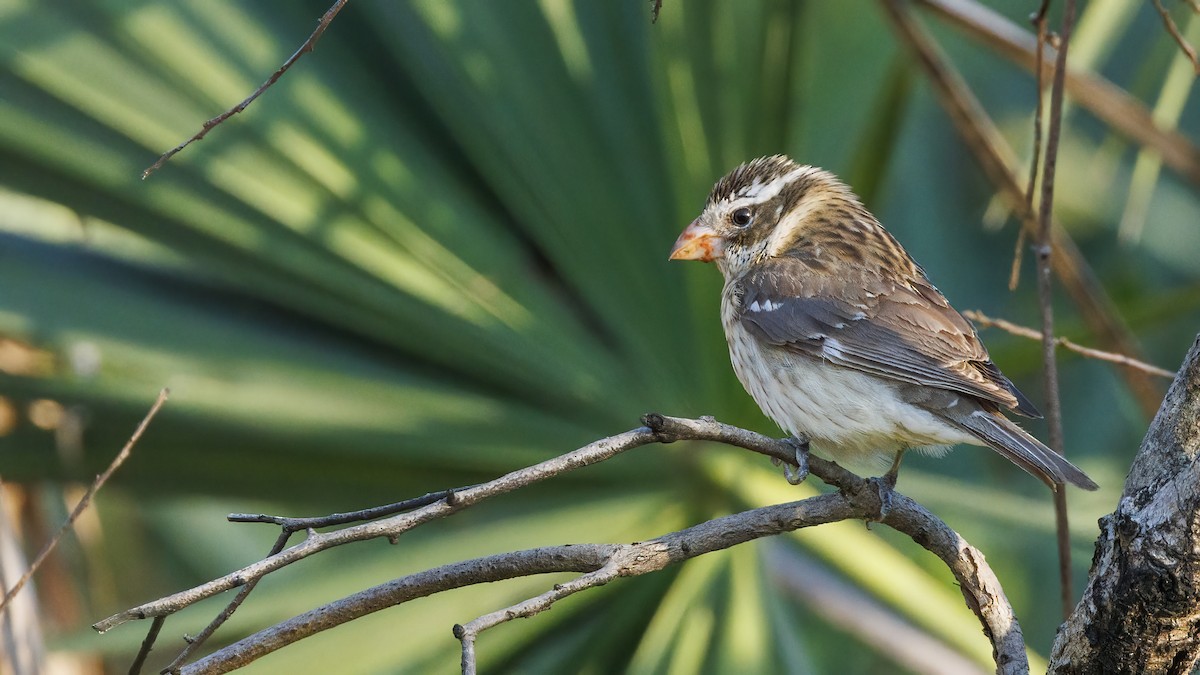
899	329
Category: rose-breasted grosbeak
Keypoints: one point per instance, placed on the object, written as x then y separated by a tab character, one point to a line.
839	336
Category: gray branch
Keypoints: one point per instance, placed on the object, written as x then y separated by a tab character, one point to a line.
601	563
1141	609
390	528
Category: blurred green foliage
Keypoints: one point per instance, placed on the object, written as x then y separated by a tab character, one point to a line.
435	251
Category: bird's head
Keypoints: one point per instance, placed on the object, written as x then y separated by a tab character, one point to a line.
773	206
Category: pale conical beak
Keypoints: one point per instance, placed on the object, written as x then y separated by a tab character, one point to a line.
698	242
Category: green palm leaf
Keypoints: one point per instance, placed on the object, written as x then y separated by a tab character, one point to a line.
435	251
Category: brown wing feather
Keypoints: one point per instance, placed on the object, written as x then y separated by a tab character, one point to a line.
903	330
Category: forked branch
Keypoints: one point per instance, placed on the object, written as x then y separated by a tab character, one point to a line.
599	564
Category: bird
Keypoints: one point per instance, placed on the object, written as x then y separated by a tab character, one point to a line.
839	336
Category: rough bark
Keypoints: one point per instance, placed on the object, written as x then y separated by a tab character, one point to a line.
1140	612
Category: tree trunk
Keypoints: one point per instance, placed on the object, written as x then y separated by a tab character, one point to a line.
1140	612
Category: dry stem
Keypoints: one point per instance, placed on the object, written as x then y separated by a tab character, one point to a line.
1046	298
601	563
1169	24
208	126
1100	355
85	501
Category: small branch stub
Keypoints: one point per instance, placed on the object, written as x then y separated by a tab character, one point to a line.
655	423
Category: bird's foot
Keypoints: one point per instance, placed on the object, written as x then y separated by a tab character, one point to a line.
885	488
796	473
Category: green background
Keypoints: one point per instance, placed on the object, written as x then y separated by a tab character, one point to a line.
436	250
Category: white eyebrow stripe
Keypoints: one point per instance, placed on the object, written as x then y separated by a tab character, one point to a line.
761	192
752	189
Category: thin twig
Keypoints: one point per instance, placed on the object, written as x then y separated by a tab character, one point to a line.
1114	106
1046	301
625	558
1173	29
857	498
655	8
393	526
1014	273
602	563
1039	20
85	501
208	126
572	558
1023	331
1039	17
997	159
293	524
140	660
289	526
200	638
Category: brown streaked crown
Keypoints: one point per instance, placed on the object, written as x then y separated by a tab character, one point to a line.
827	226
758	172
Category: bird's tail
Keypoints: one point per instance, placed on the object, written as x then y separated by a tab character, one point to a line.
1010	440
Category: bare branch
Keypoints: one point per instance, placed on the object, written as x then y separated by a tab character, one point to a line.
621	563
147	645
290	524
86	500
1014	273
1039	20
208	126
196	641
577	558
600	563
391	527
1046	300
1113	105
1169	24
1016	329
997	160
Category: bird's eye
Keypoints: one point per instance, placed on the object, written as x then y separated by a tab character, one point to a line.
742	217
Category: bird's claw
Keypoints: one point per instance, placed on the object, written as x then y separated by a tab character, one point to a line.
885	488
796	473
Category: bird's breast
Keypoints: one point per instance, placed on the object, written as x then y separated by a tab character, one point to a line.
846	414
